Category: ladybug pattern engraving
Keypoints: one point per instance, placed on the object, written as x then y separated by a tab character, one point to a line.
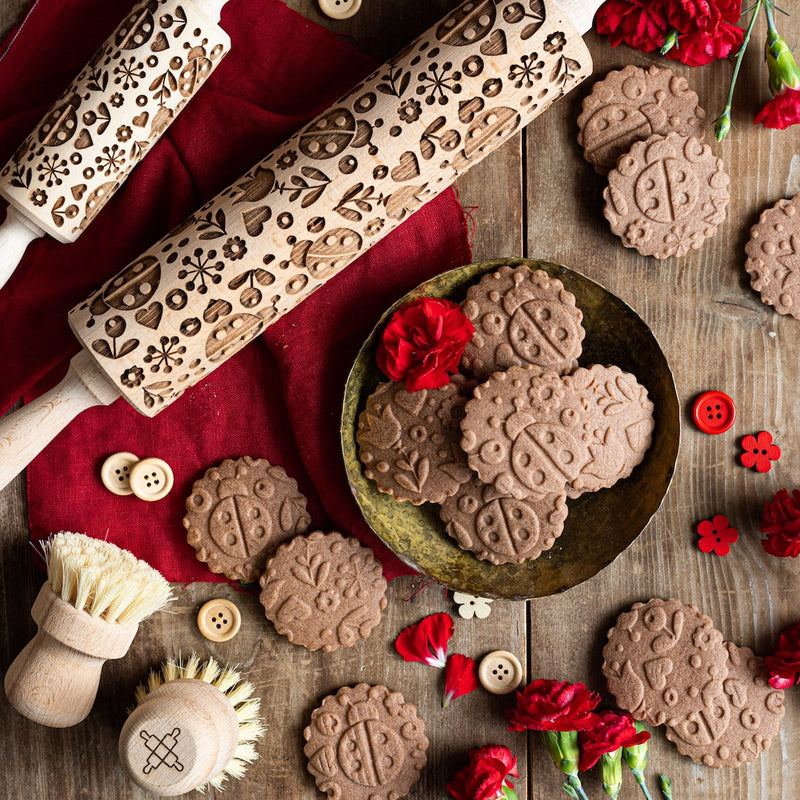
239	512
499	528
365	743
323	591
345	180
85	147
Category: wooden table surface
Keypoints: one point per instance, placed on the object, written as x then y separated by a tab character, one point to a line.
534	197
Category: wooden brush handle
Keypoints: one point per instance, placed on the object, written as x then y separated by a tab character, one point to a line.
54	680
25	433
184	733
329	193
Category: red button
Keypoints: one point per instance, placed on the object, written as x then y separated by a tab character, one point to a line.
714	412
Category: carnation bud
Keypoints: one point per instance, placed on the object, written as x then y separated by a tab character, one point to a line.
611	772
722	124
783	70
666	786
670	41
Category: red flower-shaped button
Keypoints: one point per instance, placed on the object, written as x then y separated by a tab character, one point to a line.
714	412
759	452
716	535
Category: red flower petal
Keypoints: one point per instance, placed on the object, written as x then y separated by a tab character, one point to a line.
426	641
784	661
460	677
614	729
546	705
781	524
782	111
486	774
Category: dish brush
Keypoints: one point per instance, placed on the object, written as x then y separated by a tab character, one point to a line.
88	611
194	726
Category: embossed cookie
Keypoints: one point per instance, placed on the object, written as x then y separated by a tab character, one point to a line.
500	529
239	512
741	722
365	743
773	256
521	316
630	105
665	662
523	433
666	196
620	425
408	442
323	591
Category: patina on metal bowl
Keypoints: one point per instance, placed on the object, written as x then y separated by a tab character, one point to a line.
600	525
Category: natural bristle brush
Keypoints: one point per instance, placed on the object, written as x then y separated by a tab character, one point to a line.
88	611
195	724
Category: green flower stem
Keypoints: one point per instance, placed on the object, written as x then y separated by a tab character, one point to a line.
639	775
575	783
722	124
666	786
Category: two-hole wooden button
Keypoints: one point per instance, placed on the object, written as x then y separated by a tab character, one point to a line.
219	620
500	672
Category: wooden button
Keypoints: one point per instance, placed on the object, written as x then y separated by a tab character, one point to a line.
151	479
219	620
115	472
339	9
500	672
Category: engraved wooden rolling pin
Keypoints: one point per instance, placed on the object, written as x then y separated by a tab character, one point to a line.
122	101
310	208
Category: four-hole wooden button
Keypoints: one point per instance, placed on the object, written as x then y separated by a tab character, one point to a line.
219	620
116	472
151	479
339	9
500	672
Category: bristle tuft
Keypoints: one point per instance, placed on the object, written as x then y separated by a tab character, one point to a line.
238	692
102	579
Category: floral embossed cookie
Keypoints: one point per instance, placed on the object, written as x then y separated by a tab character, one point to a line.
666	196
408	442
630	105
365	743
323	591
521	317
523	433
240	511
499	528
744	719
665	663
773	256
620	425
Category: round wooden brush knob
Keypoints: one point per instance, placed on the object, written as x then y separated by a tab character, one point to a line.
54	680
183	734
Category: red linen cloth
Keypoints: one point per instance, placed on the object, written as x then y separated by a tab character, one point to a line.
278	399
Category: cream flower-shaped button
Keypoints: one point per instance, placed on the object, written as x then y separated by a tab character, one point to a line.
339	9
116	472
219	620
151	479
470	606
500	672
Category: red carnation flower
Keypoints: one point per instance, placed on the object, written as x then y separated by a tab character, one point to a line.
688	16
423	342
427	640
547	705
460	677
486	775
782	111
637	23
784	663
614	729
781	523
701	47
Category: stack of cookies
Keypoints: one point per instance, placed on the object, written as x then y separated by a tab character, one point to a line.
503	445
667	192
666	663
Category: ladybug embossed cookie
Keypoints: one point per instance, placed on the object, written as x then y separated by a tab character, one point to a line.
239	512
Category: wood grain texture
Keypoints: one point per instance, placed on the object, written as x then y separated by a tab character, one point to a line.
534	197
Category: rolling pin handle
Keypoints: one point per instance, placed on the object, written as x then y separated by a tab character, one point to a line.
16	233
25	433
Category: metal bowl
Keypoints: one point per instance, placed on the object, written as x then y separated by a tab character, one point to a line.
600	525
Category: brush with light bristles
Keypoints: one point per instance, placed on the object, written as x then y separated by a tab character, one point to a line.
88	611
194	726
